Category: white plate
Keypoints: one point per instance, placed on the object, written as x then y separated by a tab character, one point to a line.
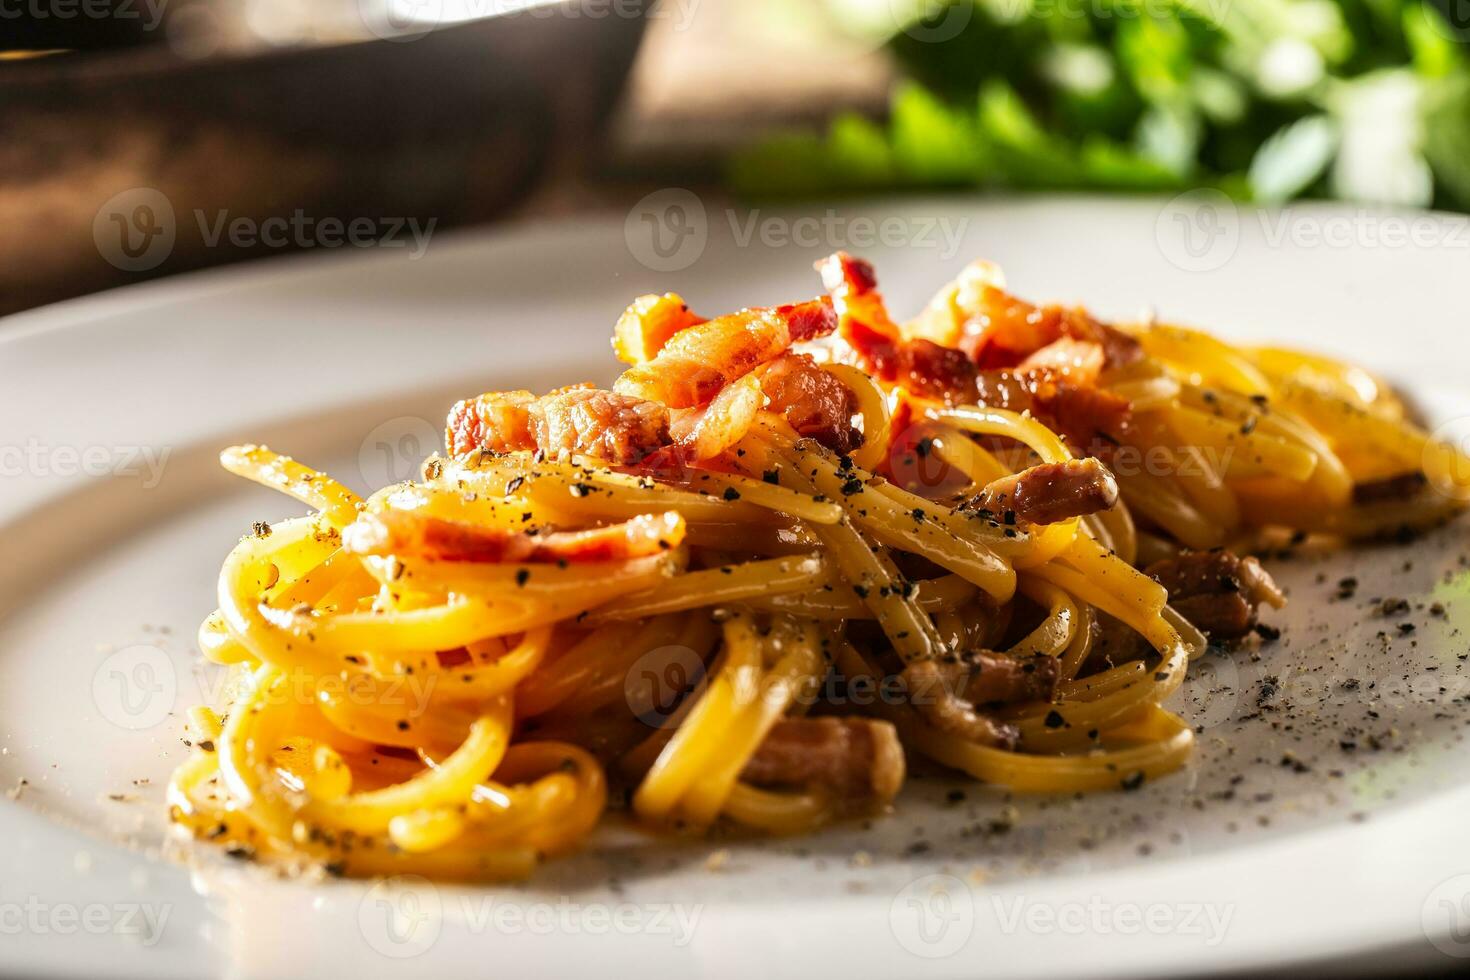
1236	863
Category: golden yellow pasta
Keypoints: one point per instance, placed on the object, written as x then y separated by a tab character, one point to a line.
787	547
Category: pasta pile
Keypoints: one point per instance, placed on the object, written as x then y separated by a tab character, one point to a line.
791	547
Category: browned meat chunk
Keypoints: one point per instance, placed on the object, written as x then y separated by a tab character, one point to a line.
582	419
1092	420
813	401
948	692
857	758
1048	493
1390	489
1217	591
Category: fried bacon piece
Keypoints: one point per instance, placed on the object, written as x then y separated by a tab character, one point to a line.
605	424
1055	386
996	329
407	533
814	402
1042	361
700	360
856	758
581	419
648	324
704	433
1077	361
920	365
1217	591
1049	492
498	421
947	692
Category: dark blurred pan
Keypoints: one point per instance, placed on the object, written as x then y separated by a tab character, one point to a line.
449	124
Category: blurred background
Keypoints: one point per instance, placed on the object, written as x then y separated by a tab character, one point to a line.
143	138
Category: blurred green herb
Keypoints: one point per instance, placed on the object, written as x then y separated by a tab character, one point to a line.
1266	99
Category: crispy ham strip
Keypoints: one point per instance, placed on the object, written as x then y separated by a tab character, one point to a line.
405	533
1217	591
1050	371
700	360
1049	492
856	758
879	346
581	419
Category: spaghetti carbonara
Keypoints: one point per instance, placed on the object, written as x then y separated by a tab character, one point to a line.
789	548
